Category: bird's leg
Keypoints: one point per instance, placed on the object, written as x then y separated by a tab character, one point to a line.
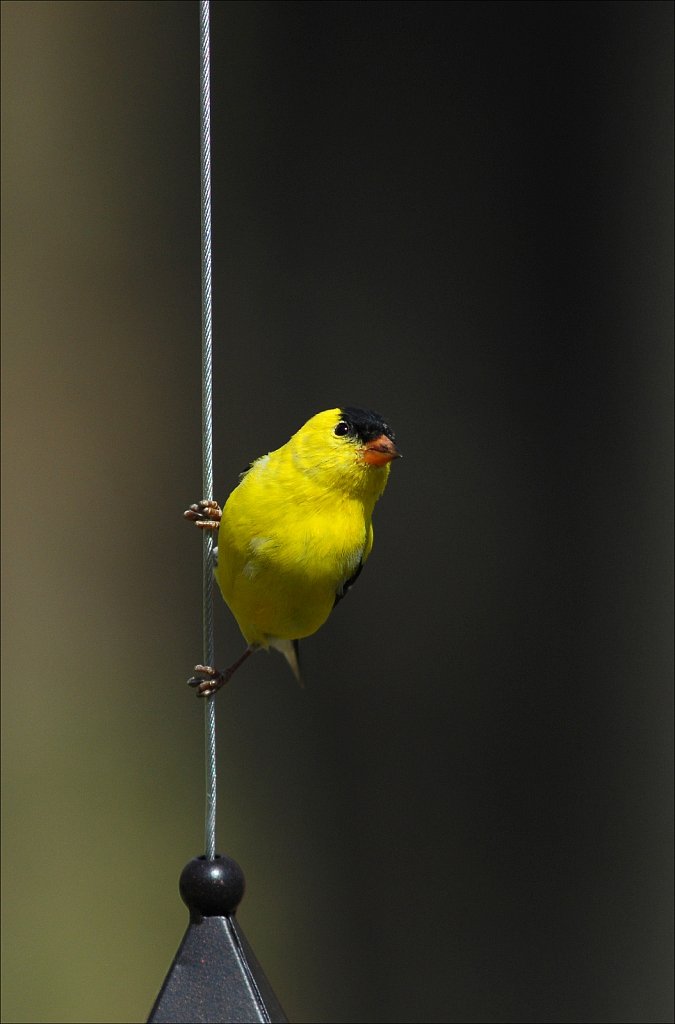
205	514
210	679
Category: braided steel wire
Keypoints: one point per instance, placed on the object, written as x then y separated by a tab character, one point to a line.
207	418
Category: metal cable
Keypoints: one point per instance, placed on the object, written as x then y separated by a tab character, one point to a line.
207	419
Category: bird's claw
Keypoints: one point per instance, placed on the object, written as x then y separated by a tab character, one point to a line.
209	680
205	514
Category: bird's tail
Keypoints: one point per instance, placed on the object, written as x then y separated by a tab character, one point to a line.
291	652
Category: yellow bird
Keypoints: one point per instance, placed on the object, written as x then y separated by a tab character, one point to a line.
294	534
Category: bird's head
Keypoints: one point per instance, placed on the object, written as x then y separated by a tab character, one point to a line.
347	449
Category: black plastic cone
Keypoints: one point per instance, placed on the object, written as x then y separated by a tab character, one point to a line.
215	977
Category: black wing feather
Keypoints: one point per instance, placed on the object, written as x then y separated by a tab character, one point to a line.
347	584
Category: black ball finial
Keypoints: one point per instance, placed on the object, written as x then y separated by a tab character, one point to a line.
211	888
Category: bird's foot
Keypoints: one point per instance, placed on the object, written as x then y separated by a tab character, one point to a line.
209	680
206	514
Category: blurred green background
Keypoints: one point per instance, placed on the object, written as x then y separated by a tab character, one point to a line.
459	215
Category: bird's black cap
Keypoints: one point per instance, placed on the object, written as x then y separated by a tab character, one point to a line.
365	424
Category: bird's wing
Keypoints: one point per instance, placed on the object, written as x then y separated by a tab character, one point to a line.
369	542
344	587
346	584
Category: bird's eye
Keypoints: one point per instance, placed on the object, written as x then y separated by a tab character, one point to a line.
341	429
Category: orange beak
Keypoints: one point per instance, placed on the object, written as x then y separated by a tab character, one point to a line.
380	451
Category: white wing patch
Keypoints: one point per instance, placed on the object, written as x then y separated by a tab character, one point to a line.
255	546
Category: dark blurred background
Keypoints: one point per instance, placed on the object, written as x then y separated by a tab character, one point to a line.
460	215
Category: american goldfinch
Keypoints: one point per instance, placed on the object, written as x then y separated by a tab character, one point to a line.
294	534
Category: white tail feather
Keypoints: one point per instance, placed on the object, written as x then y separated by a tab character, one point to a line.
289	650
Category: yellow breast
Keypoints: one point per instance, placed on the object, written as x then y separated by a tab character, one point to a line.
286	544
